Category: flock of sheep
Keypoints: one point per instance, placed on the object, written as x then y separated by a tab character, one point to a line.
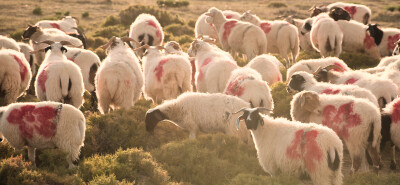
359	108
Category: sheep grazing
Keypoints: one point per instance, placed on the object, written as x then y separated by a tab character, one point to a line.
385	38
356	121
311	65
326	36
203	28
391	128
291	147
238	36
119	80
67	24
282	36
301	81
44	125
194	112
165	76
8	43
268	66
59	79
15	76
247	84
213	66
147	31
304	40
359	13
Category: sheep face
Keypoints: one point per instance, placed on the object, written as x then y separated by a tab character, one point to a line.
71	19
307	26
325	75
338	13
30	31
172	47
248	17
195	47
251	117
396	50
317	10
307	101
296	83
375	32
153	116
215	16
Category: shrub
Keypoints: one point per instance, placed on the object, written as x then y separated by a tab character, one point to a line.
37	11
111	21
251	179
85	14
281	100
184	39
110	31
165	18
111	179
173	3
358	60
101	53
7	151
276	5
66	13
372	179
95	42
192	23
179	30
16	35
15	170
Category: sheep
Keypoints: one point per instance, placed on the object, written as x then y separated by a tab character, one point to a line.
202	28
359	13
194	112
336	13
385	38
213	67
8	43
247	84
311	65
281	36
44	125
392	72
26	49
291	147
356	121
15	75
238	36
396	50
268	66
119	80
67	24
385	61
391	128
325	34
304	40
166	77
147	31
59	79
383	89
301	81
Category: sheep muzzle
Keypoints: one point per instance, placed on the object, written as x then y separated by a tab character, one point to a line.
153	116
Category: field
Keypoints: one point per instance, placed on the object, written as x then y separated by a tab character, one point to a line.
117	148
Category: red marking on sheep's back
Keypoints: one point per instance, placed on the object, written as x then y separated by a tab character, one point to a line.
304	146
331	91
266	27
201	75
159	70
351	81
278	78
22	68
392	39
340	66
351	10
229	16
158	30
396	112
368	41
228	28
234	87
31	119
70	59
42	78
341	120
56	26
212	25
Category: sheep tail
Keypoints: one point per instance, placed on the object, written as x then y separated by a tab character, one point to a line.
112	85
332	41
65	84
333	159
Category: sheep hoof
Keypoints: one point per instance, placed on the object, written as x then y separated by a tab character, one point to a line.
393	165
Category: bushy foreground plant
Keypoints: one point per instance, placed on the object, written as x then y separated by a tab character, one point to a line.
281	100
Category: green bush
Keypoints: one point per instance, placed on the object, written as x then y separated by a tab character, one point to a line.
281	100
15	170
358	60
17	35
106	180
101	53
66	13
192	23
184	39
111	21
95	42
37	11
173	3
276	5
85	14
251	179
110	31
393	8
179	30
165	18
372	179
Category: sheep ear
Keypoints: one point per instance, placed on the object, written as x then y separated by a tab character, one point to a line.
208	14
311	101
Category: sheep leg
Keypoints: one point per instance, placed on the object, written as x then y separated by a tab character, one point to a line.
70	162
393	161
373	152
31	155
356	163
104	101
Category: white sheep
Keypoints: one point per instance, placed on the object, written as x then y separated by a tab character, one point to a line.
59	79
391	128
304	40
358	12
119	80
238	36
194	112
385	61
303	81
147	30
385	38
311	65
203	28
392	72
44	125
213	67
247	84
281	36
293	148
268	66
165	76
15	75
26	49
8	43
67	24
396	50
356	121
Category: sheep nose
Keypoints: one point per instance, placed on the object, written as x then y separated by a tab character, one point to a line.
302	33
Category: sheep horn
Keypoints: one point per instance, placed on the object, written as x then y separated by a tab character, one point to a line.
312	8
105	46
160	47
76	19
262	108
127	39
142	47
317	71
330	67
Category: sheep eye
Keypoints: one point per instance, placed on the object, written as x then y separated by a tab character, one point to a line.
307	26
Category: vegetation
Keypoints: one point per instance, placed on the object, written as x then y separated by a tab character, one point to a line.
173	3
37	11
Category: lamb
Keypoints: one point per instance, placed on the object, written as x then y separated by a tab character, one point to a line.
385	38
67	24
311	65
359	13
301	81
194	112
391	128
202	28
282	36
15	75
213	67
44	125
291	147
59	79
119	80
238	36
304	40
8	43
147	31
356	121
166	77
247	84
268	66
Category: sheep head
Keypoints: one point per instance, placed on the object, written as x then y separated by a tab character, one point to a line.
325	74
247	16
29	31
299	80
317	10
303	105
112	43
338	13
251	117
71	19
81	36
396	50
172	47
151	50
307	26
153	116
375	32
215	16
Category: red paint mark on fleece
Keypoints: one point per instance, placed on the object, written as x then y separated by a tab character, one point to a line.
192	63
228	28
392	41
331	91
201	75
341	120
159	70
396	112
235	87
266	27
22	68
56	26
351	10
158	30
70	59
42	78
368	41
278	78
350	81
310	152
31	119
229	16
212	25
340	66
